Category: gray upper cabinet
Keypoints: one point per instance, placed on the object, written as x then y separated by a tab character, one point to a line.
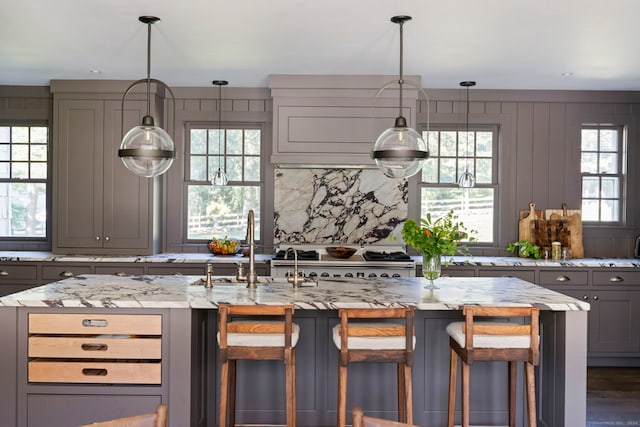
99	206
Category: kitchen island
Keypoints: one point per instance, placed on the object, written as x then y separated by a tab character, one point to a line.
187	378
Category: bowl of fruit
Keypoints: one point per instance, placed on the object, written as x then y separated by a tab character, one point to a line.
223	246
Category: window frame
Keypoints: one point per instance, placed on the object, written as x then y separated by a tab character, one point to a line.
461	129
33	242
622	164
187	182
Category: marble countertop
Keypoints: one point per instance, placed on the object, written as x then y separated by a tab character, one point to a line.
110	291
480	261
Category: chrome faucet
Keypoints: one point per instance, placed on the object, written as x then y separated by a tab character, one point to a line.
252	277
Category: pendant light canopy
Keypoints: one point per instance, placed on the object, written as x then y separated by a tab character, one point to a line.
147	150
467	179
220	177
400	151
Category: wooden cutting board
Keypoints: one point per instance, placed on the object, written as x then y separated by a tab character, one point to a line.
546	231
573	219
525	222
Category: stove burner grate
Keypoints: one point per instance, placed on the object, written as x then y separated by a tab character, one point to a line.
386	256
303	255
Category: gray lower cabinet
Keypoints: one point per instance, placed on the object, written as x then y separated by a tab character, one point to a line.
100	207
17	277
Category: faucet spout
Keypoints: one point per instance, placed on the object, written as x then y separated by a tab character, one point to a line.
252	277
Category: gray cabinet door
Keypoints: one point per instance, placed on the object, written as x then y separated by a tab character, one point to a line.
614	322
100	206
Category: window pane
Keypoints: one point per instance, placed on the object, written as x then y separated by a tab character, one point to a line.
466	144
589	140
473	206
5	134
197	168
19	170
25	208
609	210
484	173
448	170
608	163
432	140
215	162
19	134
590	187
589	163
608	140
234	168
252	141
19	152
590	211
448	144
198	141
430	170
252	169
221	211
39	134
39	152
39	170
216	141
234	141
4	170
610	188
484	144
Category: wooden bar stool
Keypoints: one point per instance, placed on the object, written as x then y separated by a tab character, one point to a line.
154	419
359	419
254	338
362	340
492	340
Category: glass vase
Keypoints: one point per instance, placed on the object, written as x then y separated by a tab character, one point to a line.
431	268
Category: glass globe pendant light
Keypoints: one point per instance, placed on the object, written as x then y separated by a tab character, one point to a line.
220	177
467	180
400	151
147	150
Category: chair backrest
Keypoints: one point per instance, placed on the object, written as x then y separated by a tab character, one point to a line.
255	326
530	327
360	420
357	322
156	419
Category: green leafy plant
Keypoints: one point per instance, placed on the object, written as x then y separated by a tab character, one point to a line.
525	249
442	236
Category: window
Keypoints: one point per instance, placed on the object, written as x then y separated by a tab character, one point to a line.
219	211
451	151
23	181
602	172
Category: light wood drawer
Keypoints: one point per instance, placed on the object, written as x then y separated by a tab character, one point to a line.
107	347
562	277
9	273
95	372
617	277
95	324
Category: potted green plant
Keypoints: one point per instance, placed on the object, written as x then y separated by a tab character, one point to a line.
525	249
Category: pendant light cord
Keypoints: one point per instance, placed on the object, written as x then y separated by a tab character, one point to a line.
401	77
219	127
149	69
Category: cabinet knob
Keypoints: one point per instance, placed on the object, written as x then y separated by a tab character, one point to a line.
97	237
4	273
107	239
66	273
616	279
562	278
585	297
595	297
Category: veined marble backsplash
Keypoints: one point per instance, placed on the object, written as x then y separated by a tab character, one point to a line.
337	206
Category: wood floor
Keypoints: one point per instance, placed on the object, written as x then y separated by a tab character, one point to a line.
613	397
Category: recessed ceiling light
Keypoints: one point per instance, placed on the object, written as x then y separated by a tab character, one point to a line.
567	74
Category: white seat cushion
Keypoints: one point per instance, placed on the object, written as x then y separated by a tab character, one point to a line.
488	341
260	340
371	343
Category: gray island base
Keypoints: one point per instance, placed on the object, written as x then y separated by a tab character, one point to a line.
183	374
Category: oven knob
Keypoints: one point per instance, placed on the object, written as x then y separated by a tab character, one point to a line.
384	275
359	274
313	275
396	275
373	275
337	275
348	274
324	275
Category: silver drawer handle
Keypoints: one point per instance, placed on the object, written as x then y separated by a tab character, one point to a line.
99	323
120	273
4	273
616	279
66	274
562	279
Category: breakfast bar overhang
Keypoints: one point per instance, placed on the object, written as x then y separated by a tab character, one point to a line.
188	379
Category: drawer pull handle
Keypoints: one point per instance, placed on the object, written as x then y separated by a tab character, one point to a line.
94	372
120	274
66	273
596	298
94	347
562	279
4	273
99	323
616	279
585	297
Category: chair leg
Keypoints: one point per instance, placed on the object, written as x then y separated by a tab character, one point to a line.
531	393
342	396
294	385
512	393
400	379
408	385
465	394
290	379
232	393
453	368
224	393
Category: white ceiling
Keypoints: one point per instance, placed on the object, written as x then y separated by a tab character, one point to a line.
502	44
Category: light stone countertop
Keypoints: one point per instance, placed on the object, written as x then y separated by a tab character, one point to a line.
487	261
108	291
